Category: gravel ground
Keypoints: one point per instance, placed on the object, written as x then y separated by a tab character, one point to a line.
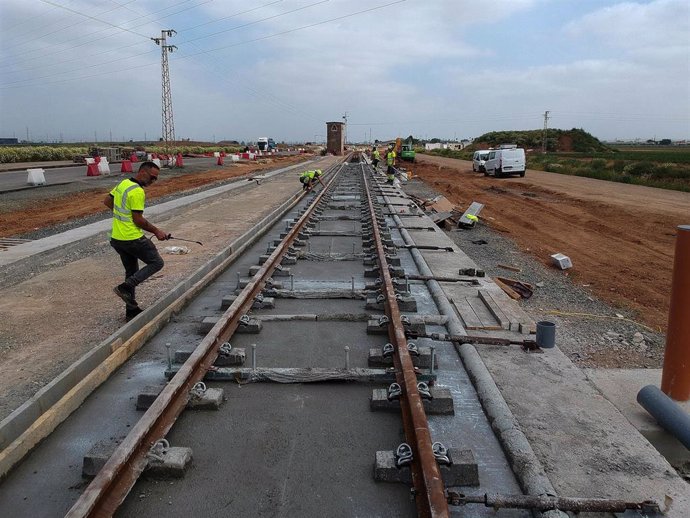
602	336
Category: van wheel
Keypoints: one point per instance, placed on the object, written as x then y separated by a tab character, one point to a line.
522	174
498	173
486	173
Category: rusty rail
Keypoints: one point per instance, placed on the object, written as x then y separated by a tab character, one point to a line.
430	497
114	481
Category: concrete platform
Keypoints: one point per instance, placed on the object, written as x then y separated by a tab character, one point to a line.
620	387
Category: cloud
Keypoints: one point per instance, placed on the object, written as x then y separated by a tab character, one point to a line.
658	25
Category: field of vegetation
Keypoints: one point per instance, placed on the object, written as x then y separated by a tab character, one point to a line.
14	154
665	167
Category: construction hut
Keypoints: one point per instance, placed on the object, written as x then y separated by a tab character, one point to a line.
335	137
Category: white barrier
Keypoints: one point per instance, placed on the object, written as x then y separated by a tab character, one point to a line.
235	158
103	166
90	160
216	154
157	161
36	177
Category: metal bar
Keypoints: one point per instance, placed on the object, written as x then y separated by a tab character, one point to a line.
113	482
547	503
426	476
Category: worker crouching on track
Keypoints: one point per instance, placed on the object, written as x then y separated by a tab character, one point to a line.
309	178
127	236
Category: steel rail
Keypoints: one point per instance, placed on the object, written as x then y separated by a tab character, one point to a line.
110	487
426	477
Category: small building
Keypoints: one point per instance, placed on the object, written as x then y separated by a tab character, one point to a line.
335	138
429	146
8	141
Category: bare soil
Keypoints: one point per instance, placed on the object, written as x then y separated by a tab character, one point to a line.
33	214
620	237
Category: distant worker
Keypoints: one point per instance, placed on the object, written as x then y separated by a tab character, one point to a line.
390	160
375	157
309	178
127	236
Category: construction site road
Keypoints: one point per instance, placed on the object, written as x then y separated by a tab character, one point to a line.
620	237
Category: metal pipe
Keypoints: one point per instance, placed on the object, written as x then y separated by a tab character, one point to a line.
548	503
675	377
253	357
667	413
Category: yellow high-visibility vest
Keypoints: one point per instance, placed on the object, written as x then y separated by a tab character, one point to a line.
127	196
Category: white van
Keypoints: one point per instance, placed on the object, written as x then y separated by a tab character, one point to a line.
478	160
504	162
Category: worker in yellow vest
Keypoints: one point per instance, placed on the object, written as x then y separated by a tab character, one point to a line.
127	236
308	178
390	159
375	157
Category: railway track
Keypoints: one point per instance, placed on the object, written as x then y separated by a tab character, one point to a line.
304	348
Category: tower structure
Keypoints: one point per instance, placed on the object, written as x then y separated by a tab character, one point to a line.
168	129
335	137
546	129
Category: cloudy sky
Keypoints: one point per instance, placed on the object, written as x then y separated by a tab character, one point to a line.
86	69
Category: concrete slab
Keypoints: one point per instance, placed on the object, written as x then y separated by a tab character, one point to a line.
620	387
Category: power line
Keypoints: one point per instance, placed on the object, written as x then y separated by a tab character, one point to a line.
44	34
255	22
96	19
59	51
9	85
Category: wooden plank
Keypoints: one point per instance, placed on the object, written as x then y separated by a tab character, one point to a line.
489	322
513	313
496	311
469	317
507	289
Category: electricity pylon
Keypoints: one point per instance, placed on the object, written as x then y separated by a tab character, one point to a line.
166	96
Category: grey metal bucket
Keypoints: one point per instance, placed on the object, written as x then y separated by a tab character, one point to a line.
546	334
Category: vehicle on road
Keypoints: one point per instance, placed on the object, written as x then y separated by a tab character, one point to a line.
505	162
478	160
266	144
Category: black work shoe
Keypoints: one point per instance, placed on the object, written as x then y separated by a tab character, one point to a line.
130	313
126	293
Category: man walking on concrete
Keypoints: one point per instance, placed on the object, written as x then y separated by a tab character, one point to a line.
127	237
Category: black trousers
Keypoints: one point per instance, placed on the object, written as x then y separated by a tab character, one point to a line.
131	252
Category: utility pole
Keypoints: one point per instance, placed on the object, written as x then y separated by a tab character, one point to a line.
543	139
345	132
168	124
